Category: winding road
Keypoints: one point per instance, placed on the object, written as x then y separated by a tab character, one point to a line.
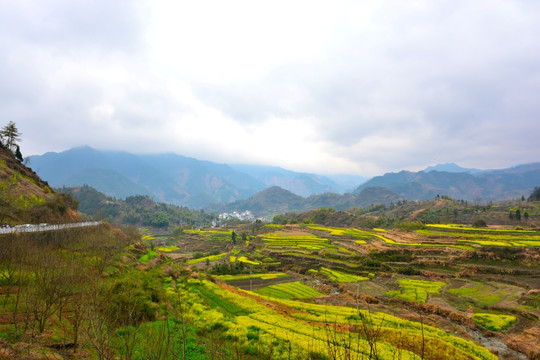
47	227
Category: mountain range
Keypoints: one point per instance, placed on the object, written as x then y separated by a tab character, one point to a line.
275	200
171	178
470	184
193	183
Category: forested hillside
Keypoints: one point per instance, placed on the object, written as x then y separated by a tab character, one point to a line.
275	200
139	210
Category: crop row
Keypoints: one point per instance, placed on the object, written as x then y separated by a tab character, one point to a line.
339	231
289	290
392	242
212	235
331	339
478	230
339	276
266	276
392	328
308	242
167	248
206	258
486	239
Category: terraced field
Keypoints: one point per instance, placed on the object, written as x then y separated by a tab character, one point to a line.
280	240
289	290
265	276
449	272
212	235
484	236
416	290
322	330
338	276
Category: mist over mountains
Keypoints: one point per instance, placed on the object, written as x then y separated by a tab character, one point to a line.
172	178
193	183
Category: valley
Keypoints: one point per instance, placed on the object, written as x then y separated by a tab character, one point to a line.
446	277
436	279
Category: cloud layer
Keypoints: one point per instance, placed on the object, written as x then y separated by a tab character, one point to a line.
322	86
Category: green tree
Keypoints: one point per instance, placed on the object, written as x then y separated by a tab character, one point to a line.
233	237
535	195
18	154
11	135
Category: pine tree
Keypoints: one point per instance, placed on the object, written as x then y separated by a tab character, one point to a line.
11	135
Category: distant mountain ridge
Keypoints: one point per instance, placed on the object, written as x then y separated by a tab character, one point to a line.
169	177
483	185
189	182
302	184
452	168
275	200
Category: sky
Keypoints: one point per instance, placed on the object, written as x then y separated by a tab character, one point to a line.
330	87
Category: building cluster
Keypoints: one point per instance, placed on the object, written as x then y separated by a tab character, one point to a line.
244	216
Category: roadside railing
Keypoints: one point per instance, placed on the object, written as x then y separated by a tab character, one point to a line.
26	228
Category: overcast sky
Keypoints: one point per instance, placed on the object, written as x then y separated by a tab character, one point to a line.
358	87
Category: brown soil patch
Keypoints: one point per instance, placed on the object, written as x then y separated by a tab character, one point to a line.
527	342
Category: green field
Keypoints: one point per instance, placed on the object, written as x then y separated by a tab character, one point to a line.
289	290
206	258
485	294
266	276
494	322
416	290
212	235
286	240
339	276
484	236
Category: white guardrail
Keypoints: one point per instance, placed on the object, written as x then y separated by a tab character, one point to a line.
47	227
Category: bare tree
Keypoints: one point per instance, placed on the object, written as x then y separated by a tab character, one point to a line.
370	331
49	288
98	327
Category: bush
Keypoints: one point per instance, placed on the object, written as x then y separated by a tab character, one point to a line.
478	223
411	225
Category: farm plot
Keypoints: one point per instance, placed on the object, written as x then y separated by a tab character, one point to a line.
416	290
487	294
212	235
484	236
206	258
394	331
167	249
265	276
289	290
494	322
422	244
339	231
338	276
279	240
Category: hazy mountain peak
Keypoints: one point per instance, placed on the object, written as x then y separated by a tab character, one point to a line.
450	167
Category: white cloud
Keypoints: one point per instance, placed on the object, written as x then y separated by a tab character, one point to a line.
362	87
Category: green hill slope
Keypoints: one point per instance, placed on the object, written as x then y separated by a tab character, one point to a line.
26	198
